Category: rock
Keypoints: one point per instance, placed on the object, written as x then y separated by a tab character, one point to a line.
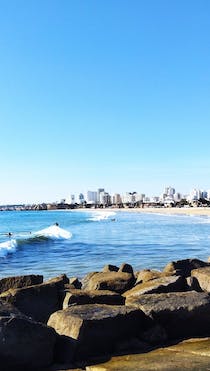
147	275
110	268
203	277
19	281
81	297
158	285
182	314
184	267
113	281
191	355
98	328
193	284
75	282
127	268
86	279
24	343
37	302
59	281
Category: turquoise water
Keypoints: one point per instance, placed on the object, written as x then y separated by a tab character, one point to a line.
143	240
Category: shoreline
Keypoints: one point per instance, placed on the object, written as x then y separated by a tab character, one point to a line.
191	211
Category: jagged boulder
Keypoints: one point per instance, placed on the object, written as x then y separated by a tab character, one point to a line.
184	267
147	275
97	329
182	314
24	344
113	281
37	302
110	268
127	268
202	276
87	278
74	281
158	285
19	281
82	297
193	284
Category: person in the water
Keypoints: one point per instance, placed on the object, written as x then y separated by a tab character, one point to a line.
57	225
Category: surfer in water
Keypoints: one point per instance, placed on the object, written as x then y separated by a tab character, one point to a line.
57	225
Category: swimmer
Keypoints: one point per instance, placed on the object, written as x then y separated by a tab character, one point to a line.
57	225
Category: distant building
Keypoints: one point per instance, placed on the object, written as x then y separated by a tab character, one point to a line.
92	197
129	198
194	195
81	199
100	194
116	199
204	194
177	196
169	191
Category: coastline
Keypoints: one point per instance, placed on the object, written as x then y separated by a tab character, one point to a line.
191	211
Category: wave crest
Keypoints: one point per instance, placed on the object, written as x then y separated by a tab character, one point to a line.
101	215
53	232
7	247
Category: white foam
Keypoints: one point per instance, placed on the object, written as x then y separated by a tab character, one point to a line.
101	215
7	247
54	232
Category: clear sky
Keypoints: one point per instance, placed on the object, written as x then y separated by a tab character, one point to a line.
109	93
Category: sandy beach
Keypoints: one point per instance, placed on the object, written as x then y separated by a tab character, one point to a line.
199	211
172	210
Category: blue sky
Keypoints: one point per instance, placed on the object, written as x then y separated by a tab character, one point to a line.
109	93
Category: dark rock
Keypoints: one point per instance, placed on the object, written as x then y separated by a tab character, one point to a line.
110	268
98	328
158	285
202	276
113	281
59	281
81	297
147	275
75	282
19	281
24	344
193	284
126	268
182	314
184	267
37	302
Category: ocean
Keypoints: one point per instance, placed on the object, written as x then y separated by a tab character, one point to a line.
85	241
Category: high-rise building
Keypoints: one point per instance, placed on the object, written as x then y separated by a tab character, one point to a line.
72	197
92	196
81	198
116	199
194	195
100	190
105	198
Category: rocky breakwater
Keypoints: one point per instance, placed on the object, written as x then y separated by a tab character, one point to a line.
64	323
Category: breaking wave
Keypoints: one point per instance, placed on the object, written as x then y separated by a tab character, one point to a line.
51	233
7	247
101	215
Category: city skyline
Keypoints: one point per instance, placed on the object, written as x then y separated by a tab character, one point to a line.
102	196
113	93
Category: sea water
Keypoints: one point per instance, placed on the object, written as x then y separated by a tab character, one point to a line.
85	241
